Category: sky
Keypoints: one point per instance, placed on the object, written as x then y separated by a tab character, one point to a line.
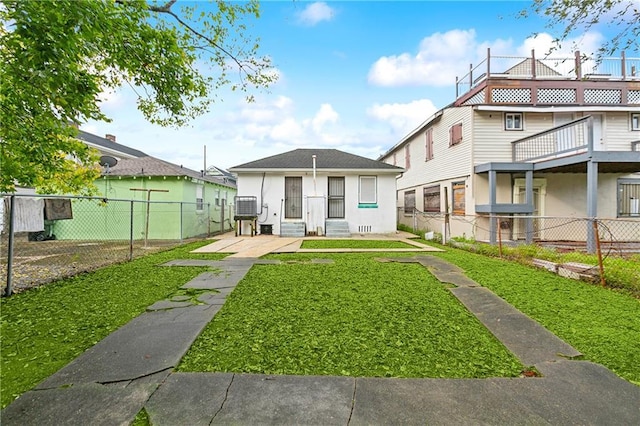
356	76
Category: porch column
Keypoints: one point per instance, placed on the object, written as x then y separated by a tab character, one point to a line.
493	229
592	204
528	222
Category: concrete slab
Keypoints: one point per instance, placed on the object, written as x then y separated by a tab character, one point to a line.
528	340
85	404
255	399
225	279
258	248
213	298
152	342
438	402
218	246
168	304
188	399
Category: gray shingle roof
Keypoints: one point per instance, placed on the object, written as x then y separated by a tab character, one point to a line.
151	166
325	159
106	143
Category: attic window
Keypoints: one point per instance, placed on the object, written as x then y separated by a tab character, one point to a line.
455	134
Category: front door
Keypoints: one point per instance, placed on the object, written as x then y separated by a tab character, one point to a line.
336	198
293	197
520	197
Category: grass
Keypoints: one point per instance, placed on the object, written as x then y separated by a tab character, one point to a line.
601	323
45	328
354	244
355	317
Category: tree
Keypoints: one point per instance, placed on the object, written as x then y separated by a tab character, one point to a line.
59	56
583	15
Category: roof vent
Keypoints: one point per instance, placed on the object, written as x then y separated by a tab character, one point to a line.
110	137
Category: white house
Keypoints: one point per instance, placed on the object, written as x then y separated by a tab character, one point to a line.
527	137
316	192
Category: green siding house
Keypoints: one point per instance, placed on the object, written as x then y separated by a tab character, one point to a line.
144	197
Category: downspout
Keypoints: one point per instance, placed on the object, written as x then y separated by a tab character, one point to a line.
313	157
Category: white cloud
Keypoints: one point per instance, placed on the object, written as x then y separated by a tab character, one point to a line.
443	56
403	117
316	13
326	114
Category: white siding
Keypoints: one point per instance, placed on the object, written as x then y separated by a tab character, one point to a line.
381	218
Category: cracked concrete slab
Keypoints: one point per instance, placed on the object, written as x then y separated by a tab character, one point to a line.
276	400
188	399
226	278
162	305
151	342
85	404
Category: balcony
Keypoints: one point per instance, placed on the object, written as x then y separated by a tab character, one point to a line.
578	80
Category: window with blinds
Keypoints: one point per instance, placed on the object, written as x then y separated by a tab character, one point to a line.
428	145
368	191
293	197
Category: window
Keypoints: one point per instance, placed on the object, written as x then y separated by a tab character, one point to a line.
635	121
336	198
407	157
217	197
432	199
224	198
629	197
428	145
513	121
455	134
458	198
409	201
293	197
368	190
199	197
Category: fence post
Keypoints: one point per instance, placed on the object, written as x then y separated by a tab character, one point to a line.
131	230
599	251
499	236
9	289
208	219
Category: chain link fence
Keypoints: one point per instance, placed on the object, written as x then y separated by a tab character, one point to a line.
603	250
45	238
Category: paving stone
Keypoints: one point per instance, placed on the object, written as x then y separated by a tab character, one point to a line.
188	399
255	399
152	342
180	298
213	298
168	304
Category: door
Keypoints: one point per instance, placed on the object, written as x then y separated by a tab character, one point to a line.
293	197
336	198
598	137
520	197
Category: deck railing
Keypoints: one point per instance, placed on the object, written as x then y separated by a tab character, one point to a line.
567	139
578	67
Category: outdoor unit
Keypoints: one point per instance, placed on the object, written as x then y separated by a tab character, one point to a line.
246	206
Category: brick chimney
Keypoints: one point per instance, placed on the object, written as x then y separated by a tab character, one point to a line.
112	138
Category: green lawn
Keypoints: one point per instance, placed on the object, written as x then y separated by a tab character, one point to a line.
603	324
355	317
45	328
355	244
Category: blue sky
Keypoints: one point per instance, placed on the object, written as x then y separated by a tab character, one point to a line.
355	76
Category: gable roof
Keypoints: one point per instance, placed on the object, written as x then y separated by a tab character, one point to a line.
325	159
151	166
524	68
105	145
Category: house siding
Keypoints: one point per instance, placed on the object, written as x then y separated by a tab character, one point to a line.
378	218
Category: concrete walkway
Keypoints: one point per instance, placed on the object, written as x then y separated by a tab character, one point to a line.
133	368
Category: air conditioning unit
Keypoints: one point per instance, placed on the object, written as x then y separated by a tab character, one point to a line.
246	206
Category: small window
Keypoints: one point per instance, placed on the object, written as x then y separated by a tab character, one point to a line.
409	201
407	157
217	197
199	198
432	199
635	121
458	193
629	197
368	190
513	121
455	134
428	145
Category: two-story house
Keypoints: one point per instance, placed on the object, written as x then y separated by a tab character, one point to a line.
527	137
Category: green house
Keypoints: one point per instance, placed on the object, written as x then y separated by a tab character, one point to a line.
143	197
